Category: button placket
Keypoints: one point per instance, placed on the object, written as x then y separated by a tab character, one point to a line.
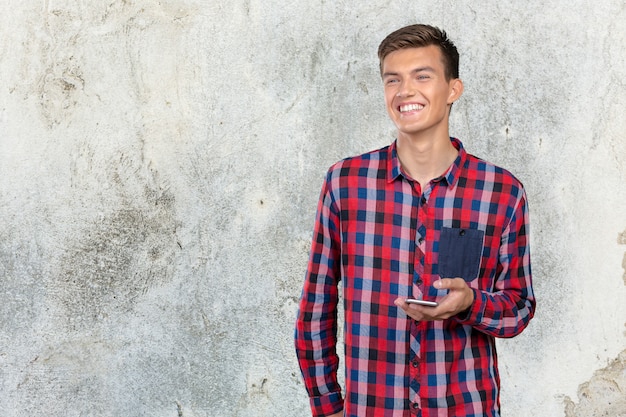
420	246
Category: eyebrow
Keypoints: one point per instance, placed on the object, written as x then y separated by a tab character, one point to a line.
413	71
421	69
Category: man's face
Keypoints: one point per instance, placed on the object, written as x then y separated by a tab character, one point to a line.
417	94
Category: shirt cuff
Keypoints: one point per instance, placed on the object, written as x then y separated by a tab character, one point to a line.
474	314
326	405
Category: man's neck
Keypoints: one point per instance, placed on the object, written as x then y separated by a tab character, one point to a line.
425	159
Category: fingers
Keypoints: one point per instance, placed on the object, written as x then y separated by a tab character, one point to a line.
460	294
417	312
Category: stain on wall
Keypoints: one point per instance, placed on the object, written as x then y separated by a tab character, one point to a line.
118	258
604	395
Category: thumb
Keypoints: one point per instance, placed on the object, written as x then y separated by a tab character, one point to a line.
449	283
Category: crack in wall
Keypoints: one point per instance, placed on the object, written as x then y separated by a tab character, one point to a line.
621	240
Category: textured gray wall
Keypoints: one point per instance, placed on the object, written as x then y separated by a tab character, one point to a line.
160	163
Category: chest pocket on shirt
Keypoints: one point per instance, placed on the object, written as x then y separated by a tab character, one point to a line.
460	251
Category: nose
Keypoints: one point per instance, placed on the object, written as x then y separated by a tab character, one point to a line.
406	89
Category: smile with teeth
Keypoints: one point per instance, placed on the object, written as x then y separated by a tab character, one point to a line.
410	107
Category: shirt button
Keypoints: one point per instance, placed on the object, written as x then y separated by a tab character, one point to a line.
415	406
423	200
462	233
420	240
419	281
415	364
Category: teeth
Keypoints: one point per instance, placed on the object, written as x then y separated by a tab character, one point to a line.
411	107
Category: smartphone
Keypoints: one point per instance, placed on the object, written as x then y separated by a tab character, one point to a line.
422	302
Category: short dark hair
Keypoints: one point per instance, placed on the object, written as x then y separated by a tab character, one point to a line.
417	36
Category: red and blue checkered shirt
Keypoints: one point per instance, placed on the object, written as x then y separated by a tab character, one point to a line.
384	237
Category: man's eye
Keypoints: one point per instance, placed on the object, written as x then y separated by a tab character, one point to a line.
423	77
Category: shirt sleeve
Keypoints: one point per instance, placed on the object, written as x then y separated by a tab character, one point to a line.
506	311
316	323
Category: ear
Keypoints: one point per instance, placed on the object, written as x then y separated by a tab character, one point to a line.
456	89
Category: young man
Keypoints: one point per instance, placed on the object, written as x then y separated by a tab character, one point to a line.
419	219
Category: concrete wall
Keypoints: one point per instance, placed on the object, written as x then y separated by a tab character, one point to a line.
160	163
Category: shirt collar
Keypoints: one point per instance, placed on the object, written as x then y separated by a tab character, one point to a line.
451	175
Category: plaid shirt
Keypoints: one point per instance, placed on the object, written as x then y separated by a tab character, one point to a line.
386	238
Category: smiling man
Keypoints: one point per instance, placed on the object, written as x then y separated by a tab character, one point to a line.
420	220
